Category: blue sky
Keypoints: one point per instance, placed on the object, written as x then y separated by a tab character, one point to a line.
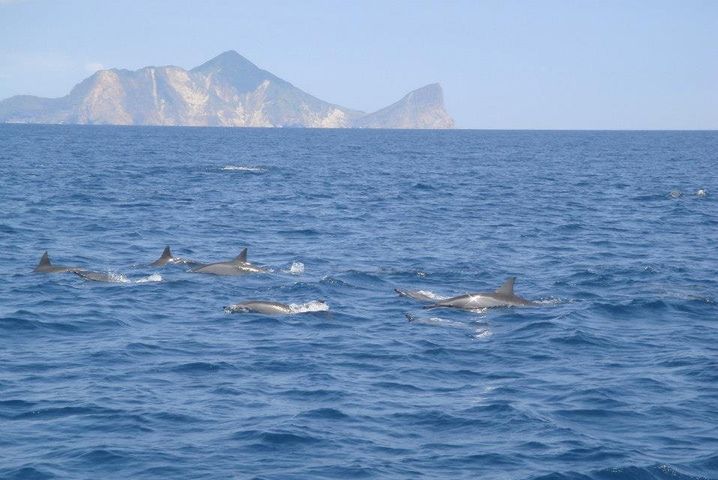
503	64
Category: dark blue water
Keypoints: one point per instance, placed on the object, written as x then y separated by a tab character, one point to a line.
614	376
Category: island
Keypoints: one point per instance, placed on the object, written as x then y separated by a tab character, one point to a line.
226	91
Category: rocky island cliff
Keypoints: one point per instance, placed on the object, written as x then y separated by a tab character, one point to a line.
228	90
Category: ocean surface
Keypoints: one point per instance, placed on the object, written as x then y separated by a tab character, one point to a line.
613	376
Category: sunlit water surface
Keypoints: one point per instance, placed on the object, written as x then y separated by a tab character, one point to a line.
614	376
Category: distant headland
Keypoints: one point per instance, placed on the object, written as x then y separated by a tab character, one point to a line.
226	91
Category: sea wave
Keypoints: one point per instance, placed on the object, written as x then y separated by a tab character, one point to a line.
145	380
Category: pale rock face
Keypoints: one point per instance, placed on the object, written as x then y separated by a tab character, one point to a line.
336	119
422	108
105	102
225	91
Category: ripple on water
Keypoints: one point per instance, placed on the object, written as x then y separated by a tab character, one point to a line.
27	473
325	413
612	377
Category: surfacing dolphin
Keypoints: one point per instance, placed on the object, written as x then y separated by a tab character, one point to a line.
167	257
164	259
416	295
237	266
45	266
275	308
504	296
100	276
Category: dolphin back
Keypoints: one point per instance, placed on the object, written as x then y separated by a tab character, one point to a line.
45	266
508	287
416	295
44	262
98	276
242	257
259	306
164	258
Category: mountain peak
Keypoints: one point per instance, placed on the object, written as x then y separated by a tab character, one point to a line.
233	69
229	53
227	60
420	108
434	88
428	94
228	57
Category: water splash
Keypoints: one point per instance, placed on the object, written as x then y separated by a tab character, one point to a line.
117	278
244	168
549	301
432	295
313	306
155	277
482	333
297	268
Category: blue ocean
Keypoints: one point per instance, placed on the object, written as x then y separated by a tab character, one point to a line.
614	375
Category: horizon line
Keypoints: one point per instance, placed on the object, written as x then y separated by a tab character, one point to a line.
483	129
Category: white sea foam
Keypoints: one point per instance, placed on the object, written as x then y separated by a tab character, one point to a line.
121	278
244	168
482	333
118	278
155	277
314	306
297	268
180	261
549	301
480	311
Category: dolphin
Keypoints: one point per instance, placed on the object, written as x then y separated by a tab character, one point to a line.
46	267
268	308
416	295
237	266
164	259
167	257
99	276
504	296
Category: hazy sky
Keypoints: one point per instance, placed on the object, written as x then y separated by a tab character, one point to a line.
503	64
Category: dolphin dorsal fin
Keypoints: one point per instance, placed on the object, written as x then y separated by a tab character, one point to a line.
167	253
45	260
508	287
242	257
